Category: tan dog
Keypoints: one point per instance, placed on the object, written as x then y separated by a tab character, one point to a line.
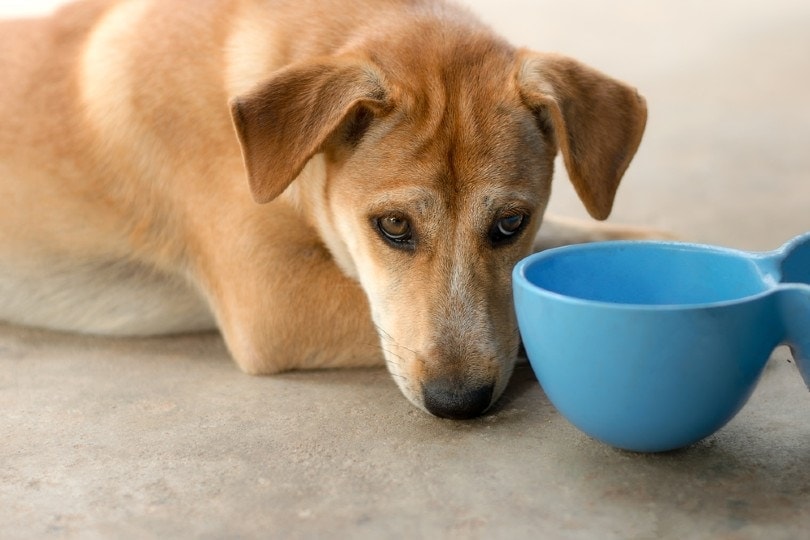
398	158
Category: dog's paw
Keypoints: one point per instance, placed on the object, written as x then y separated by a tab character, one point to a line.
556	232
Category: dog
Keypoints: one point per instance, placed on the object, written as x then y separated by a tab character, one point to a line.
328	183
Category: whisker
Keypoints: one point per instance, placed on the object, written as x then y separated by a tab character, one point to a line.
390	339
383	333
395	355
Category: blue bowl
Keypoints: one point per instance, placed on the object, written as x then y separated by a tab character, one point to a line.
652	346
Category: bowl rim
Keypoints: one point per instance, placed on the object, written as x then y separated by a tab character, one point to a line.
519	278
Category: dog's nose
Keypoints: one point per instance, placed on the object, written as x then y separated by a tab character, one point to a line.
448	398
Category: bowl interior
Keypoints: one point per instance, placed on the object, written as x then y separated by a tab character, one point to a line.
647	273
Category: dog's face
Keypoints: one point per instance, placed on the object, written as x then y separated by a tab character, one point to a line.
437	174
432	208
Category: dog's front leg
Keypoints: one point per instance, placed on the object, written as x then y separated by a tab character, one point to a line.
281	302
559	231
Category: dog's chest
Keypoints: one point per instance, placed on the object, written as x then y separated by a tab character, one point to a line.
100	298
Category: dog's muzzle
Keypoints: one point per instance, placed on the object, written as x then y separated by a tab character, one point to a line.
451	398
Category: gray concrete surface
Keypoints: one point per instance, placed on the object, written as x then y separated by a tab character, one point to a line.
107	438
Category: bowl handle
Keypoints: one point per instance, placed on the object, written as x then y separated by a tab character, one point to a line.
794	304
795	260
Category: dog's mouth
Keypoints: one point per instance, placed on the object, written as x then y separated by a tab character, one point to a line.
454	394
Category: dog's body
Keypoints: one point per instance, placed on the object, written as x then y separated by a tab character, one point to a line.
421	146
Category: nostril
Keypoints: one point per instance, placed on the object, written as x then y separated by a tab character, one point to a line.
448	398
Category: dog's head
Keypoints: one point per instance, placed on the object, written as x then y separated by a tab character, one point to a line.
437	166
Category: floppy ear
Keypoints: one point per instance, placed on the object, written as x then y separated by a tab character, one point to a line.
597	122
286	120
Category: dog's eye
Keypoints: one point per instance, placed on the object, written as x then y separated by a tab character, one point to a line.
506	228
396	229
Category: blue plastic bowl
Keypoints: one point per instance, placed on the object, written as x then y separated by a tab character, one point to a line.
652	346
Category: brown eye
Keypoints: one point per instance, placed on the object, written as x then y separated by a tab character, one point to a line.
506	228
396	230
509	225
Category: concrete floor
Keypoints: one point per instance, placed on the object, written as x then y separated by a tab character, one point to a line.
165	438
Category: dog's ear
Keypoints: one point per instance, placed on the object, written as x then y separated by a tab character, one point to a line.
286	120
597	122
